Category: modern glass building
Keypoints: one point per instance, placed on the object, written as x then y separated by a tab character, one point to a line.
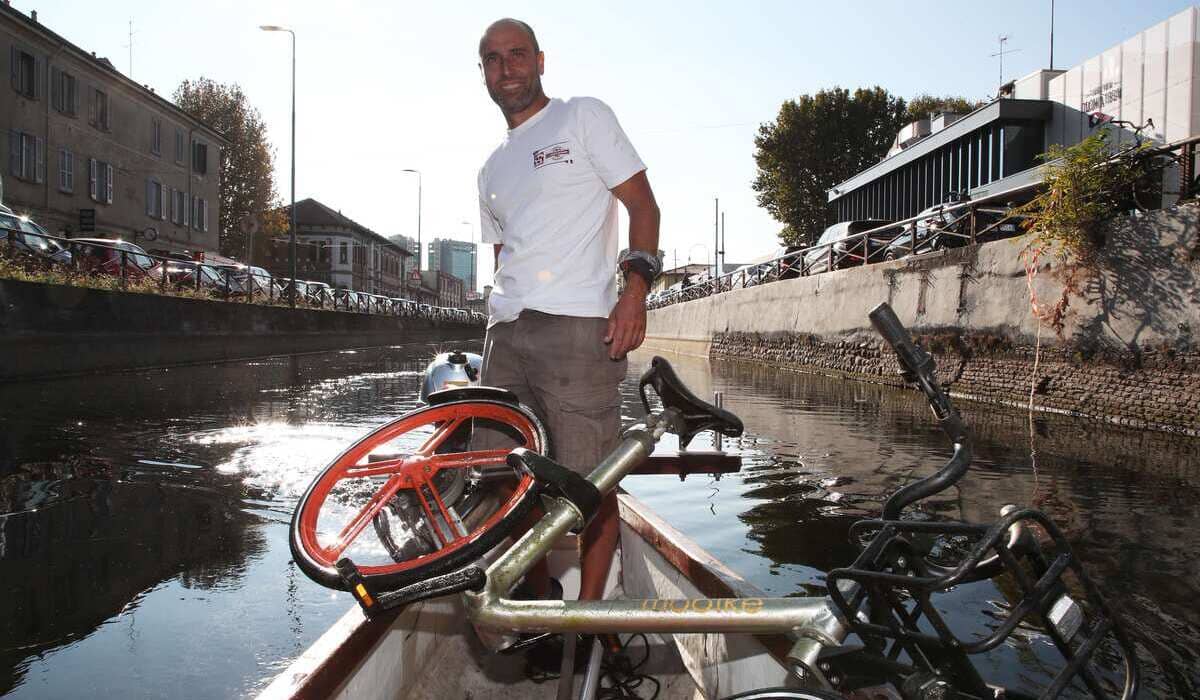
456	258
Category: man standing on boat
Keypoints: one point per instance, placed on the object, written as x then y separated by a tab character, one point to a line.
557	331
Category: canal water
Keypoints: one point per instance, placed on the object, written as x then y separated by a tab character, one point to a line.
143	515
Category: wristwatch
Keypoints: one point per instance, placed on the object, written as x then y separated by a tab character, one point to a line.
641	263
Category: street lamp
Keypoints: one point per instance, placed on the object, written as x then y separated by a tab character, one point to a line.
292	244
418	174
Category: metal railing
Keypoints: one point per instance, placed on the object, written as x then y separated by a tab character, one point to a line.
141	271
948	225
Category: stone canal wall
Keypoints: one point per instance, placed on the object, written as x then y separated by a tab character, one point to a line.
1128	352
50	330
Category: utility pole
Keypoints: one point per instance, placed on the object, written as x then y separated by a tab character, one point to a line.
723	259
1051	34
716	230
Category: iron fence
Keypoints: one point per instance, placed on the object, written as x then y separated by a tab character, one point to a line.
134	269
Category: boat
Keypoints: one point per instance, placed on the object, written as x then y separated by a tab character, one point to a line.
430	650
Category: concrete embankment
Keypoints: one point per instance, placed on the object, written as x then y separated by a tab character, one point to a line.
51	330
1127	352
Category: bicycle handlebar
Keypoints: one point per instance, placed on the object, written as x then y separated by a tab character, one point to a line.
917	367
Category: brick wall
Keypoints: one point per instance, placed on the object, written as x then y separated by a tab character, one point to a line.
1157	387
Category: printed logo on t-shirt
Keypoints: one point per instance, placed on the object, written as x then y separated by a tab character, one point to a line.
551	155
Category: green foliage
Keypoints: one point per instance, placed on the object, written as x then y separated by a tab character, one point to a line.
247	163
1084	185
819	140
814	143
921	106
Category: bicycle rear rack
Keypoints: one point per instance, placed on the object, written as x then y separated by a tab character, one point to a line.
892	606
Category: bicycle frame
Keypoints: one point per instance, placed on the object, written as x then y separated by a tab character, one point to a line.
813	618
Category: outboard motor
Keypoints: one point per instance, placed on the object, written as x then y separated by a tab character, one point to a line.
451	370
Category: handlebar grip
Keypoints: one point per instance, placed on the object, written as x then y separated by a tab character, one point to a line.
888	325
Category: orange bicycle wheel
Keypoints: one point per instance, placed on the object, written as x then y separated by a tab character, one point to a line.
433	500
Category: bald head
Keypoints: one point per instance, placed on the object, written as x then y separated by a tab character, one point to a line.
509	22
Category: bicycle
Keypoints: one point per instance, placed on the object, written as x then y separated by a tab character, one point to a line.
877	631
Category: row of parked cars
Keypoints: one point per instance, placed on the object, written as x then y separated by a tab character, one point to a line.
129	261
853	243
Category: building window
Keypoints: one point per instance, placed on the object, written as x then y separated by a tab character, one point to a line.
156	136
180	151
98	112
200	157
66	171
25	70
64	92
199	214
179	207
100	181
26	159
156	201
344	254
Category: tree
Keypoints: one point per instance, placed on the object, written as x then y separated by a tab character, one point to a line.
921	106
247	163
816	142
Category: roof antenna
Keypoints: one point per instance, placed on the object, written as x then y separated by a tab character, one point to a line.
1001	53
130	47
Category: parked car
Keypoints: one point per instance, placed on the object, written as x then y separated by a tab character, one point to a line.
25	236
839	243
319	294
247	279
183	273
108	256
938	228
283	286
347	299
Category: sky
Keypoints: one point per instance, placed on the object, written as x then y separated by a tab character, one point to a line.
387	86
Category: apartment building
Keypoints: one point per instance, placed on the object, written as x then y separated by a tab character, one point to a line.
357	257
447	288
88	151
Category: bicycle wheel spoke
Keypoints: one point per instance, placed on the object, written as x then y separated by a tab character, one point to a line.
385	467
446	515
429	514
355	527
459	460
440	434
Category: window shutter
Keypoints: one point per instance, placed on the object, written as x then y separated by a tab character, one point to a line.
74	89
149	197
108	185
14	153
38	71
92	178
56	88
92	107
162	203
204	210
187	211
14	67
39	146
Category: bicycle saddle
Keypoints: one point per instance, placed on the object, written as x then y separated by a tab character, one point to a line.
693	416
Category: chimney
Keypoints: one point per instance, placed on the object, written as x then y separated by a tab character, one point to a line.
33	15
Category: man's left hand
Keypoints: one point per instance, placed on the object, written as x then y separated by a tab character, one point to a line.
627	322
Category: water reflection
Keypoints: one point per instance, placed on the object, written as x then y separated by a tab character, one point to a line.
143	515
142	519
828	452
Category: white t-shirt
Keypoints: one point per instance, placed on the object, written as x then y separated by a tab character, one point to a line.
544	194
